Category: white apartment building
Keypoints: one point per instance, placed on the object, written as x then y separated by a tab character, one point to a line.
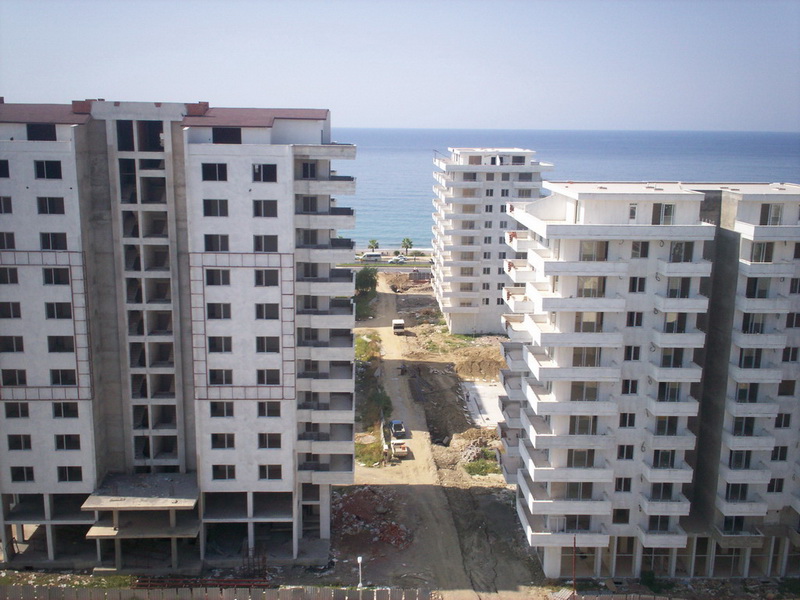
473	186
175	338
616	410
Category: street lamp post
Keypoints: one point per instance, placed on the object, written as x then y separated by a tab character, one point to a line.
360	585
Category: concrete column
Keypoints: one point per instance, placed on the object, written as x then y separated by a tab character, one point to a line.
5	537
613	565
251	538
770	556
692	555
712	555
173	518
551	562
19	532
637	558
598	561
249	497
48	507
50	536
202	541
117	553
784	556
673	561
173	543
744	567
325	512
99	549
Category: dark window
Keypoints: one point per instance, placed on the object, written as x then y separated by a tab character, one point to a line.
220	344
634	319
4	172
633	352
221	409
226	135
60	343
223	471
625	452
794	285
622	484
620	516
265	208
11	343
215	242
53	241
783	420
793	320
268	344
630	386
269	409
215	172
309	170
19	474
10	310
16	410
47	169
9	275
41	132
58	310
270	472
218	277
68	441
220	377
215	208
265	243
70	473
63	377
681	252
55	275
775	486
19	441
636	285
269	440
790	354
779	453
268	376
627	419
265	173
267	311
65	410
266	277
218	310
48	205
7	241
125	136
13	377
6	207
222	441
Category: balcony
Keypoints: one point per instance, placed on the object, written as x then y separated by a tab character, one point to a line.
747	538
552	531
684	408
336	250
338	348
768	339
545	301
336	316
689	373
674	537
519	271
541	470
783	268
542	437
512	353
695	303
699	268
334	217
332	185
680	473
544	334
332	151
338	471
767	373
678	506
543	368
767	233
510	467
771	305
319	442
541	502
580	268
545	405
516	328
511	411
693	338
331	282
754	506
512	384
517	301
760	440
510	439
766	407
757	473
522	241
682	440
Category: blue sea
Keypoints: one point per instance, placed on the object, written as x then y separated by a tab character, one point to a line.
394	166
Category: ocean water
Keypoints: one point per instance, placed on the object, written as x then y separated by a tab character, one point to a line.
394	166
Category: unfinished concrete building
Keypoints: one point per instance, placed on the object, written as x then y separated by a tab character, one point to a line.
175	336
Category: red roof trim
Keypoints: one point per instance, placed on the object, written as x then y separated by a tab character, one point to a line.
41	113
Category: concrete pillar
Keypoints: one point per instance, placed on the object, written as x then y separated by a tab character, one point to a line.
5	537
613	566
19	532
673	561
50	536
249	502
251	538
48	507
173	518
784	556
202	541
712	555
744	567
325	512
637	558
551	562
117	553
598	561
173	543
692	555
770	556
98	547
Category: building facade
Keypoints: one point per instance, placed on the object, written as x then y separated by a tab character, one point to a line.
473	187
631	411
173	325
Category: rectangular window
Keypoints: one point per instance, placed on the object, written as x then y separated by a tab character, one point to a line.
55	275
17	410
65	410
675	322
669	391
761	252
220	344
636	285
664	459
53	241
41	132
265	243
47	169
681	252
487	270
222	441
308	170
630	386
218	310
218	277
265	173
757	287
269	409
265	208
487	208
793	320
775	486
215	172
504	193
771	214
663	213
68	441
580	459
591	287
270	472
57	310
622	484
625	452
50	206
63	377
215	208
584	391
779	453
216	243
70	473
226	135
221	409
485	301
268	344
20	441
9	275
269	440
621	516
593	251
267	311
634	319
20	474
266	277
4	171
10	310
783	420
11	343
489	194
627	420
268	376
60	343
794	285
667	426
7	241
13	377
220	377
678	287
632	211
221	472
633	352
790	354
586	356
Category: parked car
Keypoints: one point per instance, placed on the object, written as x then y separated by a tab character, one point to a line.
397	260
398	429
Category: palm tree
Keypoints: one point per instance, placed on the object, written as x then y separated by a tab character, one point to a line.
406	245
372	244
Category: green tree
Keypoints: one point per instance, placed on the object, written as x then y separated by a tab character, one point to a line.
366	280
372	244
406	245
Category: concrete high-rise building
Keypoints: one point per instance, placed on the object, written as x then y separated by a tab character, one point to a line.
638	427
473	186
177	353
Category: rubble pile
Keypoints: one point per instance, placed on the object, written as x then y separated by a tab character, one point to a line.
369	510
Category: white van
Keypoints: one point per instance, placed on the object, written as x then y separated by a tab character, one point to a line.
370	257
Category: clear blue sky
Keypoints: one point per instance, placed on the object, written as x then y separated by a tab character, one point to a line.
528	64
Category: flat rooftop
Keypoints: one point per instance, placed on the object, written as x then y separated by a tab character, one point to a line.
619	187
492	150
789	189
151	491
